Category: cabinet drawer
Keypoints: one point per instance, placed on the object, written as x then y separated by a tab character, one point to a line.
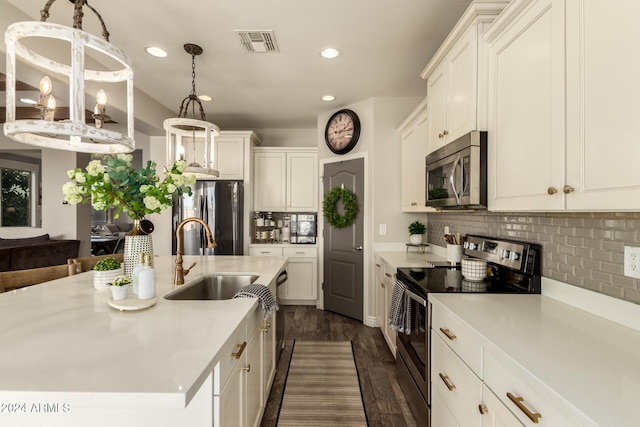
266	251
495	413
440	414
389	272
459	387
227	361
459	337
503	376
300	252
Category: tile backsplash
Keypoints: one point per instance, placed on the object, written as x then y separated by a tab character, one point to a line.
582	249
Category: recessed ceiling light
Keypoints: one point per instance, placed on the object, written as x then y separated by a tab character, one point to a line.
329	52
328	98
205	98
28	101
156	51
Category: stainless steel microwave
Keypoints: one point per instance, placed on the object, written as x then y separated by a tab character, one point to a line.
457	173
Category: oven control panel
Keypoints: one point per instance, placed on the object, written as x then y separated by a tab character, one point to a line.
520	256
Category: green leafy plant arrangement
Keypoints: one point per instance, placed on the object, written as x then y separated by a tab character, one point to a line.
329	207
106	264
416	227
121	281
112	182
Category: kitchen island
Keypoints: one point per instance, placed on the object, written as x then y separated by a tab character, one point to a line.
70	359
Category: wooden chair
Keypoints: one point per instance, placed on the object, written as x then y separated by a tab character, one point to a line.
87	263
10	280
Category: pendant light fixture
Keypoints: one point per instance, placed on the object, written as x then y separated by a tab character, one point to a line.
23	40
188	138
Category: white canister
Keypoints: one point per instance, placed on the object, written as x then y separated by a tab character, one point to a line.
454	253
286	234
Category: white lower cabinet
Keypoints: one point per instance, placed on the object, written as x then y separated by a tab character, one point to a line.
268	343
239	395
529	399
501	393
302	273
441	416
301	287
384	283
389	283
255	399
495	413
459	388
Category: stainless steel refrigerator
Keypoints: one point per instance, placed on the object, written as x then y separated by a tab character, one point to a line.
219	204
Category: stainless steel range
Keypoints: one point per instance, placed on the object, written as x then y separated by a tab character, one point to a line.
511	267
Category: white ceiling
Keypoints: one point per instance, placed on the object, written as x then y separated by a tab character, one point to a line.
385	45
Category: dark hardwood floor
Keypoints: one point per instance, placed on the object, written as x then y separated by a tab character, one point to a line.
384	402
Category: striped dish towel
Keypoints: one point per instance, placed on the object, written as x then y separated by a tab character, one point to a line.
400	309
267	301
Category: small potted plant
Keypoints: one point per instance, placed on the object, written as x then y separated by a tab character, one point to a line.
416	230
105	271
119	288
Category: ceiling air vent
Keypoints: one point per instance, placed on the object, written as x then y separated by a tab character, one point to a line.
258	40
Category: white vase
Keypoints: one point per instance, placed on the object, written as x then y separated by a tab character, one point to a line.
118	293
415	239
101	278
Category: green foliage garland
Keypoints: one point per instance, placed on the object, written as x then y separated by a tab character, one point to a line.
350	207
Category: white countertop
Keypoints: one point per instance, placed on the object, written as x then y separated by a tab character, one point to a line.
62	339
593	363
410	258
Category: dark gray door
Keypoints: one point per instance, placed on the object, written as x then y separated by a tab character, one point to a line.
343	256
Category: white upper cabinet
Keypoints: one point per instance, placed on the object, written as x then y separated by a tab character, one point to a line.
603	93
414	133
563	92
526	109
456	106
286	180
232	150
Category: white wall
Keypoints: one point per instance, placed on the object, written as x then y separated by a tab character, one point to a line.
287	137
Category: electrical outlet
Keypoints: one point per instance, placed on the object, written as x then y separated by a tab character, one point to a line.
632	261
383	230
446	229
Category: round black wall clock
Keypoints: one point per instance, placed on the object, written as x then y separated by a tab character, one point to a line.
342	131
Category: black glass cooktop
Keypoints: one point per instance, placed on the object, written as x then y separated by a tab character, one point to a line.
449	279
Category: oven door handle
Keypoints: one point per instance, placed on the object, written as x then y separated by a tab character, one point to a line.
416	297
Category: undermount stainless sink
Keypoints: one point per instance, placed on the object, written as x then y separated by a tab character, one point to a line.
212	287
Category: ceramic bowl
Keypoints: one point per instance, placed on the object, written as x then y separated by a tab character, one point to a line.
474	269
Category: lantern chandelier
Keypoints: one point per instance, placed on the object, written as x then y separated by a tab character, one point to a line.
73	134
191	139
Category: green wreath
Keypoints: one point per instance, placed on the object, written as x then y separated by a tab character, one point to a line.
350	207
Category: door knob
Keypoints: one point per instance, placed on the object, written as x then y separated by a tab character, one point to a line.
568	189
552	190
358	248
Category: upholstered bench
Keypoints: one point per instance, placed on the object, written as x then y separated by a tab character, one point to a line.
34	252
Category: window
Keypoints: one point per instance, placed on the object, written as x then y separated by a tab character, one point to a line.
19	191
